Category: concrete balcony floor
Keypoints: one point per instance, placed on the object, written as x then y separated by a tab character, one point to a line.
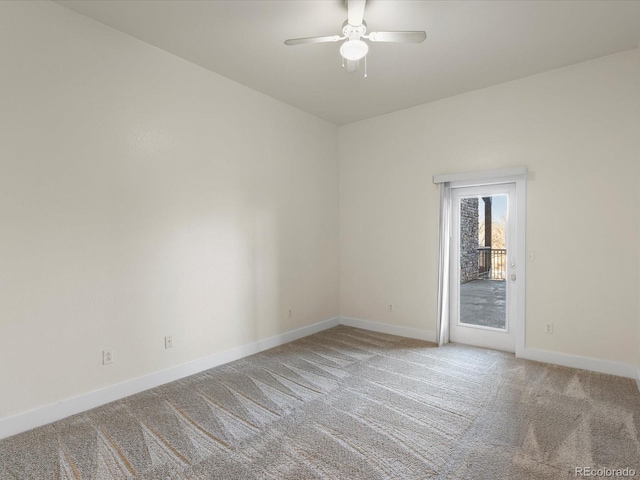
483	302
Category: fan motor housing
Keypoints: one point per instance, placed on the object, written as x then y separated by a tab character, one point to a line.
354	31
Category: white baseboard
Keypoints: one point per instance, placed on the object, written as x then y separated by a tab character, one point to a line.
416	333
50	413
575	361
566	360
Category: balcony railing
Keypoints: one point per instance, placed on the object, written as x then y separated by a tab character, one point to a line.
492	263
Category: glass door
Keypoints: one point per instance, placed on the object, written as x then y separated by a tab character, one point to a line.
483	269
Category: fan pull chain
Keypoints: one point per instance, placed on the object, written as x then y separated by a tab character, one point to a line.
365	66
342	62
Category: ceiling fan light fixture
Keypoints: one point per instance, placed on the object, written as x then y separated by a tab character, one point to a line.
354	49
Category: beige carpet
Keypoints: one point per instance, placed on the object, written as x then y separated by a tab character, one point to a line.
349	404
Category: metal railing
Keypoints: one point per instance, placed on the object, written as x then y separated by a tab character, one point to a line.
492	263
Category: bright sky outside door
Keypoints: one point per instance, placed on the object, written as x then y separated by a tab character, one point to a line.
483	268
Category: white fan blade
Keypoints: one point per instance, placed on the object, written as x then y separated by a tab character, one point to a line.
300	41
355	9
405	37
352	65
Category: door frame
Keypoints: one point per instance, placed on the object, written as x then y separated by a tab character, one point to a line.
517	175
486	337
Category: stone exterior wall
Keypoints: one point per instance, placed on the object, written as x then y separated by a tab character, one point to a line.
468	239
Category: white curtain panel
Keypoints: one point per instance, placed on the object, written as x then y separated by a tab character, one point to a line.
442	321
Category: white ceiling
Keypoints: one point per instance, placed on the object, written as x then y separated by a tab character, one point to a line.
470	45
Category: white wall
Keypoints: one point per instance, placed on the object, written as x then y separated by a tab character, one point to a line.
141	196
576	129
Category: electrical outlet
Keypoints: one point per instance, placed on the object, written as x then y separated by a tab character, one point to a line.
107	356
548	328
531	256
168	341
290	313
391	307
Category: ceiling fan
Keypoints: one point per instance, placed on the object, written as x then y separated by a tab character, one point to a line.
354	30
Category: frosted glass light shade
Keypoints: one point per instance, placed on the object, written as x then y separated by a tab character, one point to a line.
354	49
